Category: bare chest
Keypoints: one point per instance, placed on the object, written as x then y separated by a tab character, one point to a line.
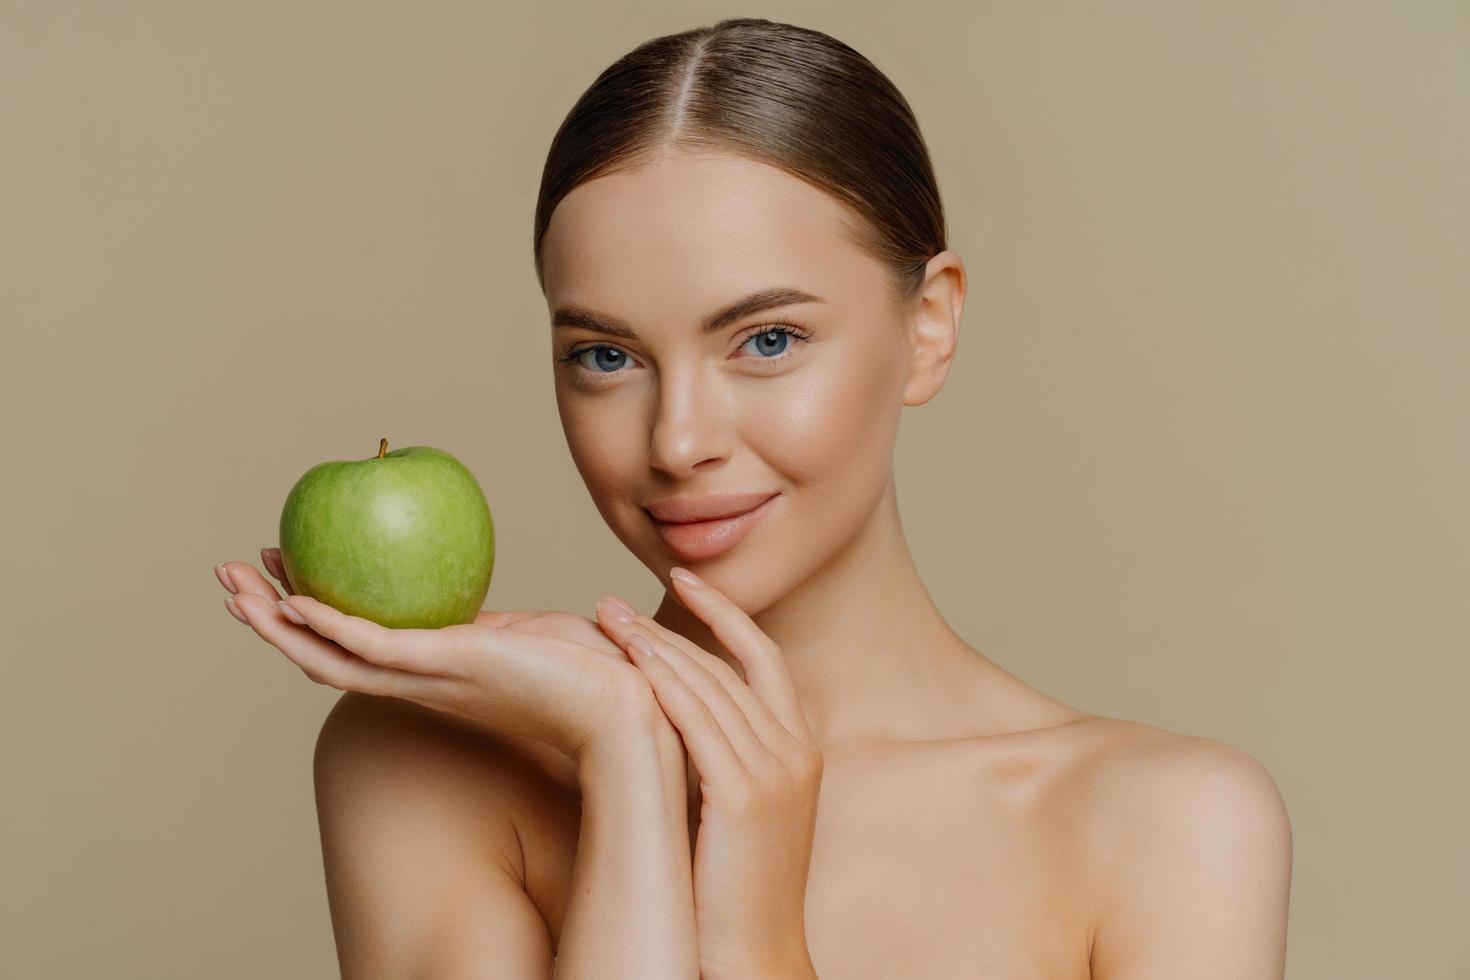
920	874
928	865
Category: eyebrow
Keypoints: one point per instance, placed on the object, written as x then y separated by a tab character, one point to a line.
765	299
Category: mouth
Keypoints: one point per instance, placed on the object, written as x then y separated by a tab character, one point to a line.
699	540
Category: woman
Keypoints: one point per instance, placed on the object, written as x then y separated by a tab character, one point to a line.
744	254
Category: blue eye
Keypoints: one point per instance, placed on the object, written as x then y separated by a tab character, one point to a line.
597	350
779	335
765	338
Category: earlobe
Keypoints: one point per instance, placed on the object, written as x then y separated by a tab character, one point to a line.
934	328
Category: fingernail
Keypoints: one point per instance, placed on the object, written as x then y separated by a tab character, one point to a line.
223	574
291	612
686	576
235	610
614	610
637	642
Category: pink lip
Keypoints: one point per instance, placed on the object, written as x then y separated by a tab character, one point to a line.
699	540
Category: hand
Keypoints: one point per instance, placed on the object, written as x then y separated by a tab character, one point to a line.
495	672
567	626
760	774
546	622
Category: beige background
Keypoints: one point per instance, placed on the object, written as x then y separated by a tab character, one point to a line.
1202	462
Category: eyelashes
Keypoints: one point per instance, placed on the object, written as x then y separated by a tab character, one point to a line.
582	375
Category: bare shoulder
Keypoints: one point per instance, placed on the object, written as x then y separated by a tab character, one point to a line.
404	727
1127	765
498	784
1187	852
428	826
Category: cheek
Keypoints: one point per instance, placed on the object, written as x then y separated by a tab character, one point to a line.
830	435
833	426
601	448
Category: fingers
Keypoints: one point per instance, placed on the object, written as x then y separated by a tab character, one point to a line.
756	735
271	557
234	609
434	652
241	576
325	662
765	667
616	629
442	652
707	740
709	676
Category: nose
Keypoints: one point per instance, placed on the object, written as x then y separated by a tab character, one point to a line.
691	423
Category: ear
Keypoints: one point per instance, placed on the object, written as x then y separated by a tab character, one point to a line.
934	327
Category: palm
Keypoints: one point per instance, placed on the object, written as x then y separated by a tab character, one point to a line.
563	625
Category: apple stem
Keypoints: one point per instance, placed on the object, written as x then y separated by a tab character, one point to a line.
382	447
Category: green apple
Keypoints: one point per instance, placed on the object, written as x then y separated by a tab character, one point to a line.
402	538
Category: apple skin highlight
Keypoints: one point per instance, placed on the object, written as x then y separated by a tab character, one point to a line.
404	538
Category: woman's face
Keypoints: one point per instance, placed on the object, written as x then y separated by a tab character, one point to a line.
808	413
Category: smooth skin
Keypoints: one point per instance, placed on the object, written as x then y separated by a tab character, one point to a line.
425	867
968	824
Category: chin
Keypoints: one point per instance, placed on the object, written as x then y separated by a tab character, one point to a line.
749	573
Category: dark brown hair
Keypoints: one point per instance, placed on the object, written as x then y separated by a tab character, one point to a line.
787	96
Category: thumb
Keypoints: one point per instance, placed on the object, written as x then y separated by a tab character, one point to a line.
271	558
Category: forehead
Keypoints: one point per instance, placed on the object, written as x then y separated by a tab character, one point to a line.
682	234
